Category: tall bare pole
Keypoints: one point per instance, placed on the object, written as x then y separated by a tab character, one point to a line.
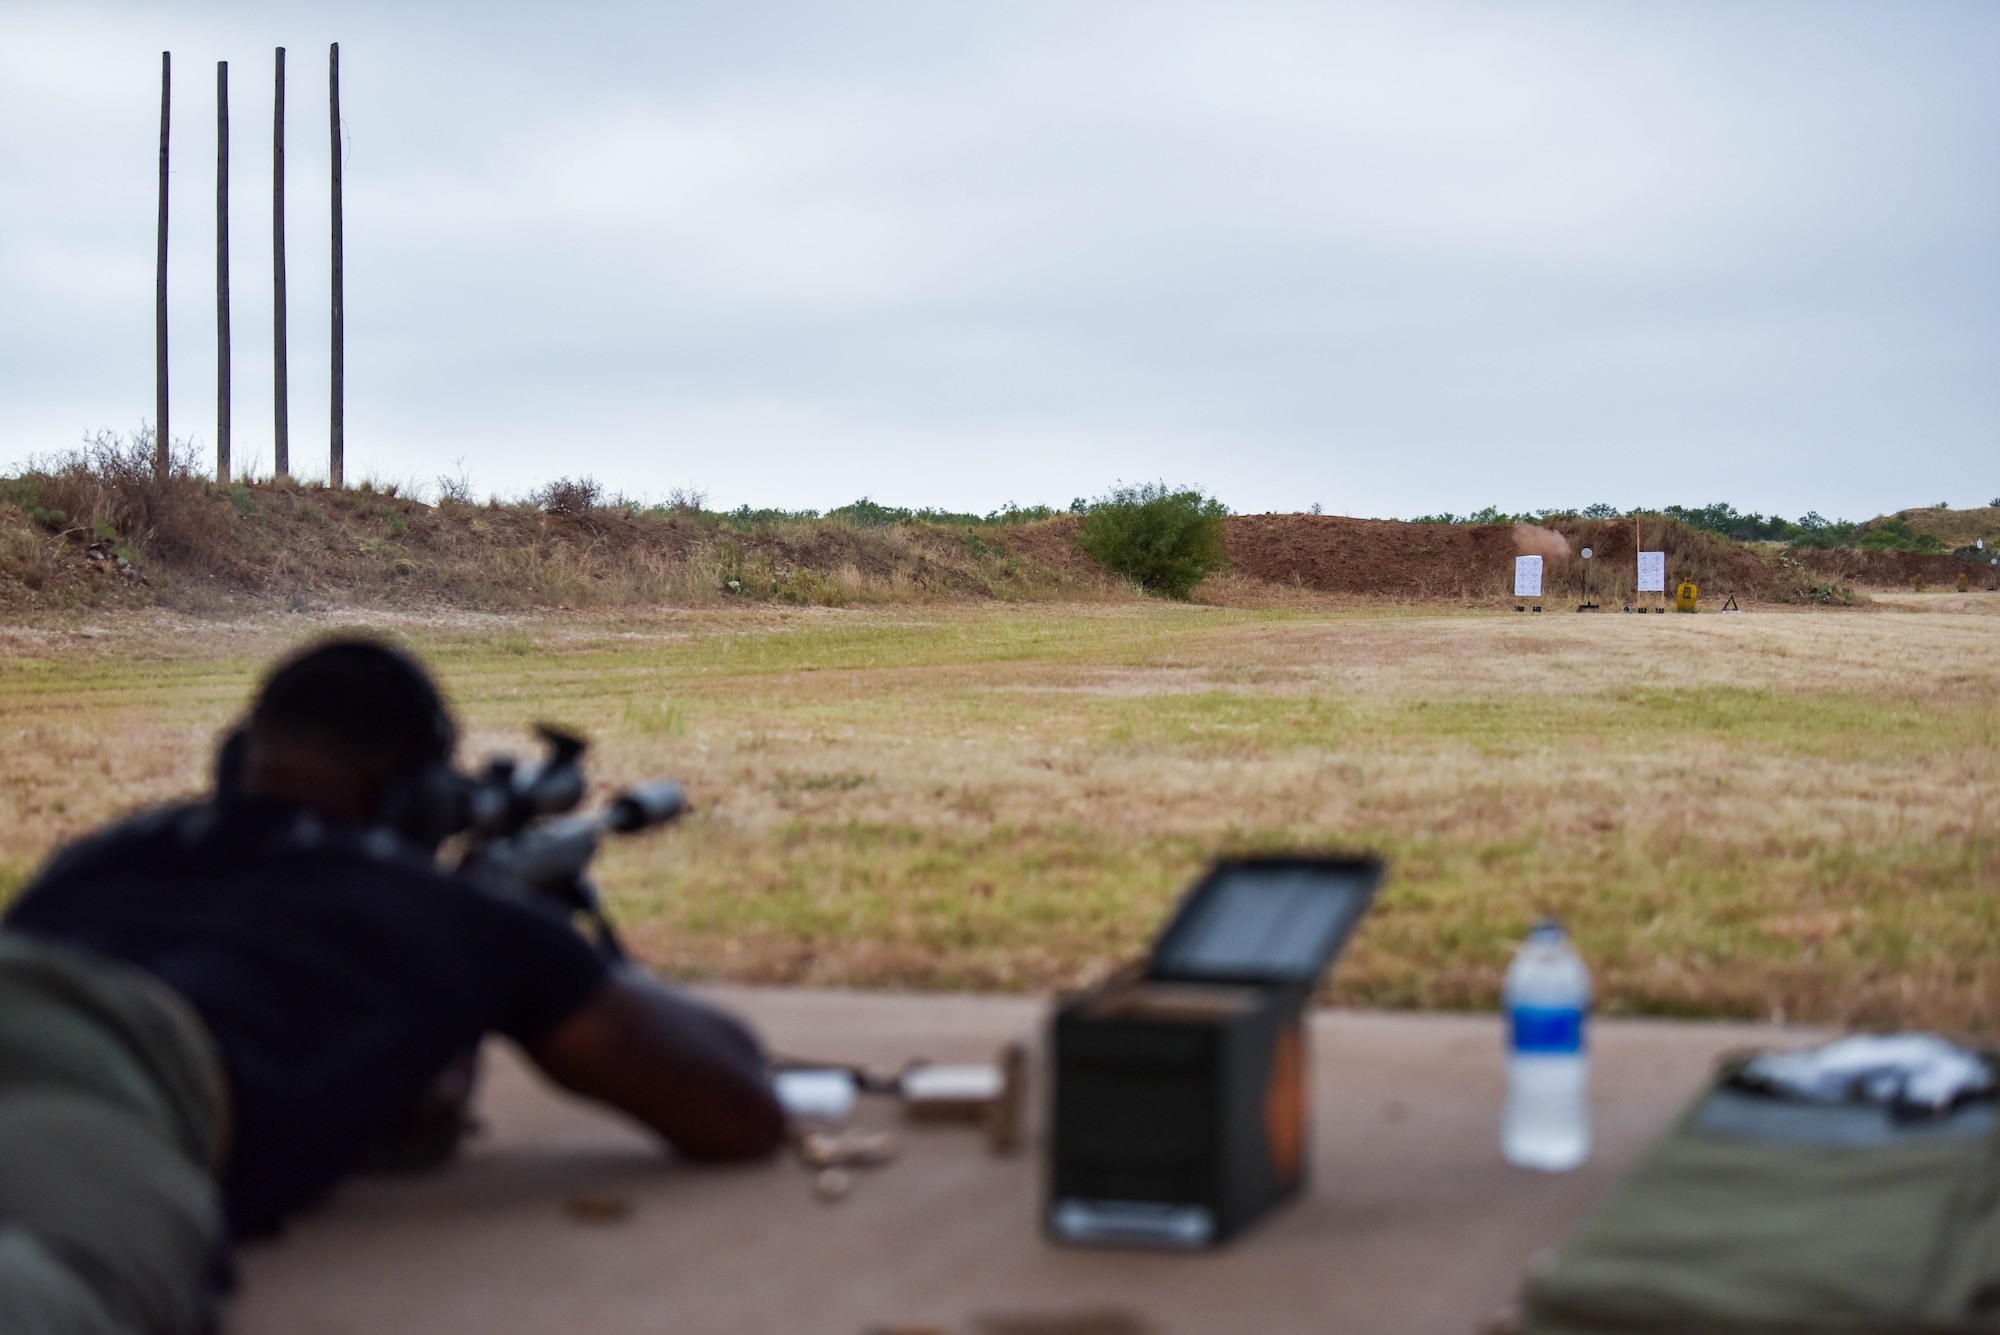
338	443
160	435
281	409
222	271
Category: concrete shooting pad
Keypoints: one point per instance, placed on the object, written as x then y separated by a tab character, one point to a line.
1412	1221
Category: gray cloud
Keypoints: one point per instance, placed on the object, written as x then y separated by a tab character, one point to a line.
1387	257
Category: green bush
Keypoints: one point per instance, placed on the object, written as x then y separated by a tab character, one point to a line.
1164	541
1895	535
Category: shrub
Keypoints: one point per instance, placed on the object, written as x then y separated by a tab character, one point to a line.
109	485
743	519
865	513
455	488
1824	594
1011	513
1819	533
569	496
1165	541
1895	535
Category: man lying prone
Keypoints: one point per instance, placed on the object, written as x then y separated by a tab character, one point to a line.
209	1014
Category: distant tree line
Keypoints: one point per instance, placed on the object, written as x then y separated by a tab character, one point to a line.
581	495
866	513
1811	529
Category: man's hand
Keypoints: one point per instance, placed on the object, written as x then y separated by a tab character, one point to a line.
688	1071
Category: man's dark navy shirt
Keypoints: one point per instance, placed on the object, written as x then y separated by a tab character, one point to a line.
337	971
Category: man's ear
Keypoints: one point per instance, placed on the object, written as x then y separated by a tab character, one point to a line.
229	755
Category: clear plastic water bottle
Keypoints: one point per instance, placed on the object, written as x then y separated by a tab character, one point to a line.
1547	999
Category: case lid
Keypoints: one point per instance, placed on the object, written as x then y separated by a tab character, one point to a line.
1278	920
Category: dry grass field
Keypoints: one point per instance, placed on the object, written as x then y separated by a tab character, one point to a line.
1776	813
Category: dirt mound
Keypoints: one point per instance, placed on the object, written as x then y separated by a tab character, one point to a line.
1053	545
102	530
1379	557
1890	570
1474	563
1957	528
84	541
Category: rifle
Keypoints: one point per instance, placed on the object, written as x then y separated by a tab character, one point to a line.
514	831
520	826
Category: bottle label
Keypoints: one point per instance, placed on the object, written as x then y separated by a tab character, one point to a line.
1547	1028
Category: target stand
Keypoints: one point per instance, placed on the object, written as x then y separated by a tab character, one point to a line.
1527	581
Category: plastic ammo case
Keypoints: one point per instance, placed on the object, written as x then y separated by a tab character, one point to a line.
1181	1112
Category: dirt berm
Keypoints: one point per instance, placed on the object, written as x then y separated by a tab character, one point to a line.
120	537
1474	563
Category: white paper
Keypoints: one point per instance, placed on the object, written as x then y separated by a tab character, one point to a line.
1527	577
1652	572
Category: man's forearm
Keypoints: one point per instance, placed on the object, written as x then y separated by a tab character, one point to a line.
691	1072
720	1032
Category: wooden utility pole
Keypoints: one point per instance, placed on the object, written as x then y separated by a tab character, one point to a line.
222	272
338	443
160	434
281	462
1638	545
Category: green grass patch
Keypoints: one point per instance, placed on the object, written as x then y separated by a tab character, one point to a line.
1013	798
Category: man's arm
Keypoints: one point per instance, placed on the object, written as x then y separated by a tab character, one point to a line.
688	1071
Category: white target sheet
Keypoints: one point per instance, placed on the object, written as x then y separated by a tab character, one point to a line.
1527	577
1652	572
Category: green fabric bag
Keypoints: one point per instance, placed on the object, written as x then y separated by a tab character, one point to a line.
1756	1216
112	1108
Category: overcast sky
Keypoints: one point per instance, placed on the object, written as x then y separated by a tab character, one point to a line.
1389	258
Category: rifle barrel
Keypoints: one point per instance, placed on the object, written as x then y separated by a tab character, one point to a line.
643	807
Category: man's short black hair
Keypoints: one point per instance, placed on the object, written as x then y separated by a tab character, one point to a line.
362	698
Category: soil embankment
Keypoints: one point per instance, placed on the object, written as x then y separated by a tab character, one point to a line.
1472	563
104	538
189	544
1373	557
1890	570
